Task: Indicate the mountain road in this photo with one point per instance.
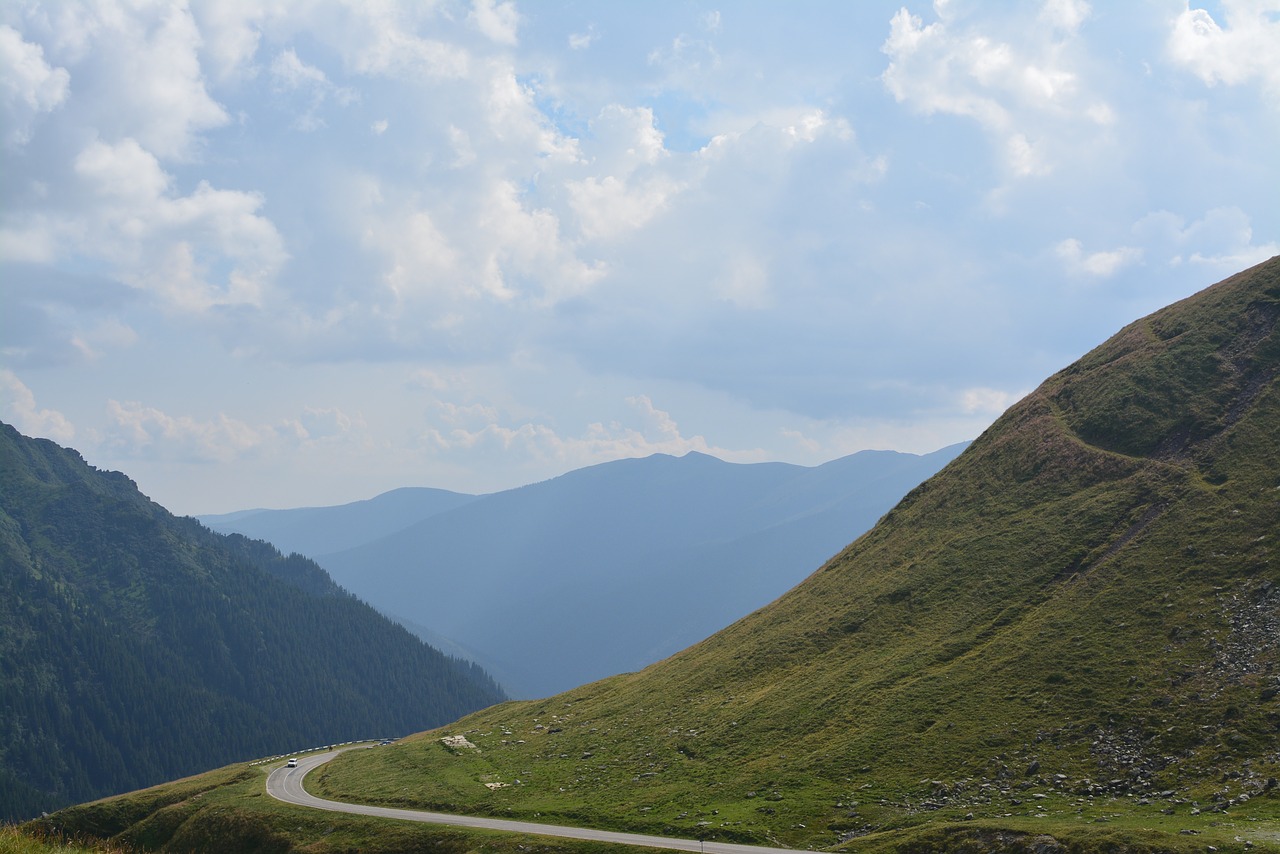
(285, 784)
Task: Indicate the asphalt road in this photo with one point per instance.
(285, 784)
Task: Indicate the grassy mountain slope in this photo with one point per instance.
(227, 810)
(1076, 622)
(677, 547)
(137, 647)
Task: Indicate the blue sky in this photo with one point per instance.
(285, 254)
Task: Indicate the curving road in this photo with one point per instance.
(285, 784)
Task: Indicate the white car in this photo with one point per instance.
(293, 763)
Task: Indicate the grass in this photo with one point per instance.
(875, 721)
(229, 810)
(14, 840)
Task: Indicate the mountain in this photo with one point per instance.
(320, 530)
(1068, 639)
(605, 569)
(137, 646)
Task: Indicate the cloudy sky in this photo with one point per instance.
(284, 254)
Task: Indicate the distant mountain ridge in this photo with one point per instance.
(136, 646)
(322, 530)
(602, 570)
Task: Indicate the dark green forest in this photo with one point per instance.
(136, 646)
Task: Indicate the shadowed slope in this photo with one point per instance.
(136, 646)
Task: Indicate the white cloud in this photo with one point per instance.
(29, 86)
(750, 186)
(379, 39)
(1222, 239)
(498, 21)
(290, 72)
(621, 195)
(425, 379)
(1023, 158)
(754, 140)
(464, 153)
(687, 63)
(1066, 15)
(421, 256)
(137, 430)
(745, 283)
(486, 247)
(33, 242)
(1246, 49)
(526, 244)
(653, 431)
(822, 441)
(1237, 251)
(625, 138)
(514, 119)
(1101, 114)
(139, 74)
(326, 424)
(230, 32)
(1022, 90)
(167, 243)
(105, 335)
(987, 401)
(20, 410)
(124, 171)
(582, 41)
(1099, 264)
(606, 207)
(291, 75)
(806, 443)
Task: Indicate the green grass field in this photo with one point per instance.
(228, 810)
(16, 841)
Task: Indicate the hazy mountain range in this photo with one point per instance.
(602, 570)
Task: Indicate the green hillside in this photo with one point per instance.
(1075, 625)
(136, 647)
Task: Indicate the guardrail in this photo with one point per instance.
(278, 757)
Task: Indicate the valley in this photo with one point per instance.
(610, 568)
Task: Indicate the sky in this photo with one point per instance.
(282, 254)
